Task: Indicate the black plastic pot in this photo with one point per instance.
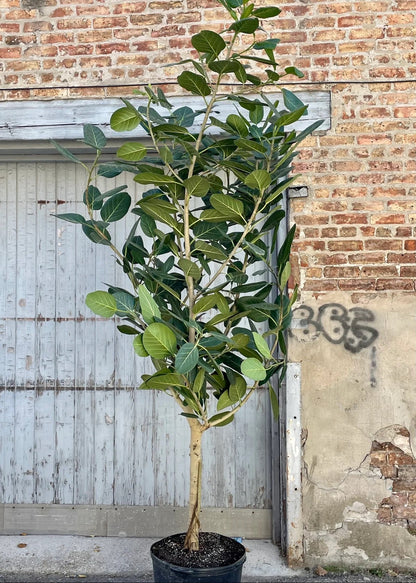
(167, 572)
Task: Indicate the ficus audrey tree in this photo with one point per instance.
(206, 285)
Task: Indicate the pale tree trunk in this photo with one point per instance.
(192, 535)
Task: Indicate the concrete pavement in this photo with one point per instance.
(70, 559)
(50, 558)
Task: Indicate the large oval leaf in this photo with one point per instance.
(190, 268)
(230, 207)
(163, 381)
(266, 12)
(208, 41)
(261, 345)
(187, 358)
(125, 119)
(94, 137)
(258, 179)
(148, 307)
(245, 25)
(138, 346)
(196, 185)
(159, 340)
(116, 207)
(194, 83)
(101, 303)
(253, 369)
(132, 151)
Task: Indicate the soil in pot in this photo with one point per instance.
(216, 550)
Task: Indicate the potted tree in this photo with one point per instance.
(206, 297)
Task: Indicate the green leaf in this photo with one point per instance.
(101, 303)
(166, 154)
(251, 145)
(161, 382)
(194, 83)
(190, 268)
(223, 67)
(198, 383)
(132, 151)
(261, 345)
(66, 153)
(125, 119)
(224, 401)
(196, 185)
(294, 71)
(100, 236)
(138, 346)
(253, 369)
(93, 197)
(208, 41)
(94, 137)
(210, 251)
(216, 419)
(245, 25)
(116, 207)
(214, 216)
(274, 403)
(274, 219)
(154, 206)
(269, 44)
(284, 252)
(238, 124)
(184, 116)
(284, 276)
(228, 206)
(280, 188)
(238, 388)
(258, 179)
(129, 330)
(71, 218)
(291, 101)
(155, 178)
(186, 358)
(266, 12)
(205, 303)
(159, 340)
(125, 303)
(148, 307)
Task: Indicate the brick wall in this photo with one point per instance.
(356, 229)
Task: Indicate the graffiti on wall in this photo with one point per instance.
(339, 325)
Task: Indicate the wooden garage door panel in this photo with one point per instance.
(73, 430)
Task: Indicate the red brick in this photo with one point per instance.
(350, 219)
(387, 219)
(345, 245)
(395, 284)
(385, 515)
(129, 7)
(401, 258)
(320, 285)
(110, 22)
(311, 219)
(333, 259)
(383, 244)
(366, 258)
(362, 284)
(341, 272)
(380, 271)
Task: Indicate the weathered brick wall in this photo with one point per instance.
(355, 230)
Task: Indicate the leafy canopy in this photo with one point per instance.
(207, 297)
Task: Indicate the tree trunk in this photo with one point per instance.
(192, 535)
